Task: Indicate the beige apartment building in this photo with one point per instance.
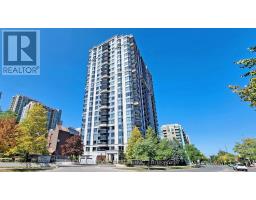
(175, 132)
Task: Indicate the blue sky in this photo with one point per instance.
(191, 69)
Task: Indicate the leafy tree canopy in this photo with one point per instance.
(135, 138)
(223, 157)
(246, 149)
(73, 147)
(33, 133)
(179, 155)
(8, 131)
(146, 150)
(8, 114)
(194, 154)
(164, 150)
(248, 92)
(35, 123)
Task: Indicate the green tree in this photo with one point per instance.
(146, 150)
(179, 155)
(247, 93)
(246, 149)
(35, 123)
(194, 154)
(135, 138)
(33, 133)
(164, 150)
(224, 158)
(213, 159)
(8, 115)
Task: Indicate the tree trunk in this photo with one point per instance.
(26, 157)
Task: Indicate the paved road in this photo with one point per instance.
(114, 169)
(87, 169)
(206, 169)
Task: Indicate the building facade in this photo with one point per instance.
(18, 103)
(58, 137)
(53, 115)
(118, 96)
(175, 132)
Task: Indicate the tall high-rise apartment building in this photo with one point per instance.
(175, 132)
(53, 115)
(18, 103)
(118, 96)
(22, 104)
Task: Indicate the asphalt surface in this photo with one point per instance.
(114, 169)
(92, 168)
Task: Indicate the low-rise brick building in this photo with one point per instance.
(57, 137)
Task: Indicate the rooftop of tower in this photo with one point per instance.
(118, 36)
(115, 36)
(36, 101)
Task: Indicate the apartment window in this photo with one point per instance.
(120, 140)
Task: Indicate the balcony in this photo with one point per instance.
(105, 75)
(103, 125)
(104, 107)
(104, 62)
(103, 138)
(105, 91)
(103, 147)
(104, 72)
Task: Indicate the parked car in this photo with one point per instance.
(240, 167)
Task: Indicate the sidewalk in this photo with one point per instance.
(19, 166)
